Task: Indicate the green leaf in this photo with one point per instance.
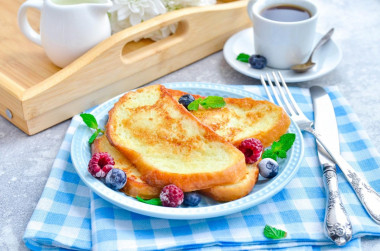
(193, 106)
(269, 154)
(274, 233)
(276, 146)
(93, 136)
(89, 120)
(243, 57)
(287, 141)
(281, 154)
(279, 148)
(213, 102)
(154, 201)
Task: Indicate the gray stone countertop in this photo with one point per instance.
(26, 160)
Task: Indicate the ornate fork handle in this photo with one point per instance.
(337, 223)
(367, 195)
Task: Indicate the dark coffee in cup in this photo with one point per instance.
(286, 13)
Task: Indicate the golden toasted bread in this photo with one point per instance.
(134, 186)
(168, 145)
(137, 187)
(243, 118)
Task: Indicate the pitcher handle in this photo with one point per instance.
(23, 23)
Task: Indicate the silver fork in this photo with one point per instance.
(366, 194)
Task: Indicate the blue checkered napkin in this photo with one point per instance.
(61, 219)
(63, 215)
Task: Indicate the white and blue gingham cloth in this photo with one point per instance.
(70, 216)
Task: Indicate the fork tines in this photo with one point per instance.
(281, 94)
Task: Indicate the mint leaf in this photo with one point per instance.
(274, 233)
(276, 146)
(193, 106)
(280, 147)
(287, 141)
(243, 57)
(209, 102)
(93, 137)
(213, 102)
(269, 154)
(154, 201)
(89, 120)
(281, 154)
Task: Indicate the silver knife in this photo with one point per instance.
(337, 223)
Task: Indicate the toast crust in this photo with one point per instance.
(237, 190)
(170, 137)
(239, 115)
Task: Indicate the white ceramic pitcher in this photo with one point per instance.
(68, 28)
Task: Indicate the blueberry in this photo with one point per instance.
(257, 61)
(192, 199)
(116, 179)
(186, 99)
(268, 168)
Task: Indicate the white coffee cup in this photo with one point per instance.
(283, 44)
(68, 28)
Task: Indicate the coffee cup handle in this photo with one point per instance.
(23, 23)
(249, 8)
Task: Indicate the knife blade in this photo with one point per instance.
(337, 223)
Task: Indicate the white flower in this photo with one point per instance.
(126, 13)
(172, 4)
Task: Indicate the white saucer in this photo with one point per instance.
(326, 58)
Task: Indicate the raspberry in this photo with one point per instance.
(100, 164)
(171, 196)
(252, 149)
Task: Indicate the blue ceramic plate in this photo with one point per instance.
(264, 189)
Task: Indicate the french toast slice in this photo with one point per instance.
(168, 145)
(135, 186)
(243, 118)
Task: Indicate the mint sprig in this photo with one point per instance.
(193, 106)
(279, 148)
(209, 102)
(274, 233)
(154, 201)
(91, 122)
(243, 57)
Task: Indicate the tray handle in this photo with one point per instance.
(191, 32)
(133, 52)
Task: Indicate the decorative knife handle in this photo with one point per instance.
(337, 223)
(369, 198)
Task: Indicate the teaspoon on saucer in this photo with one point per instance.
(309, 64)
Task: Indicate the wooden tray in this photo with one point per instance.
(35, 94)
